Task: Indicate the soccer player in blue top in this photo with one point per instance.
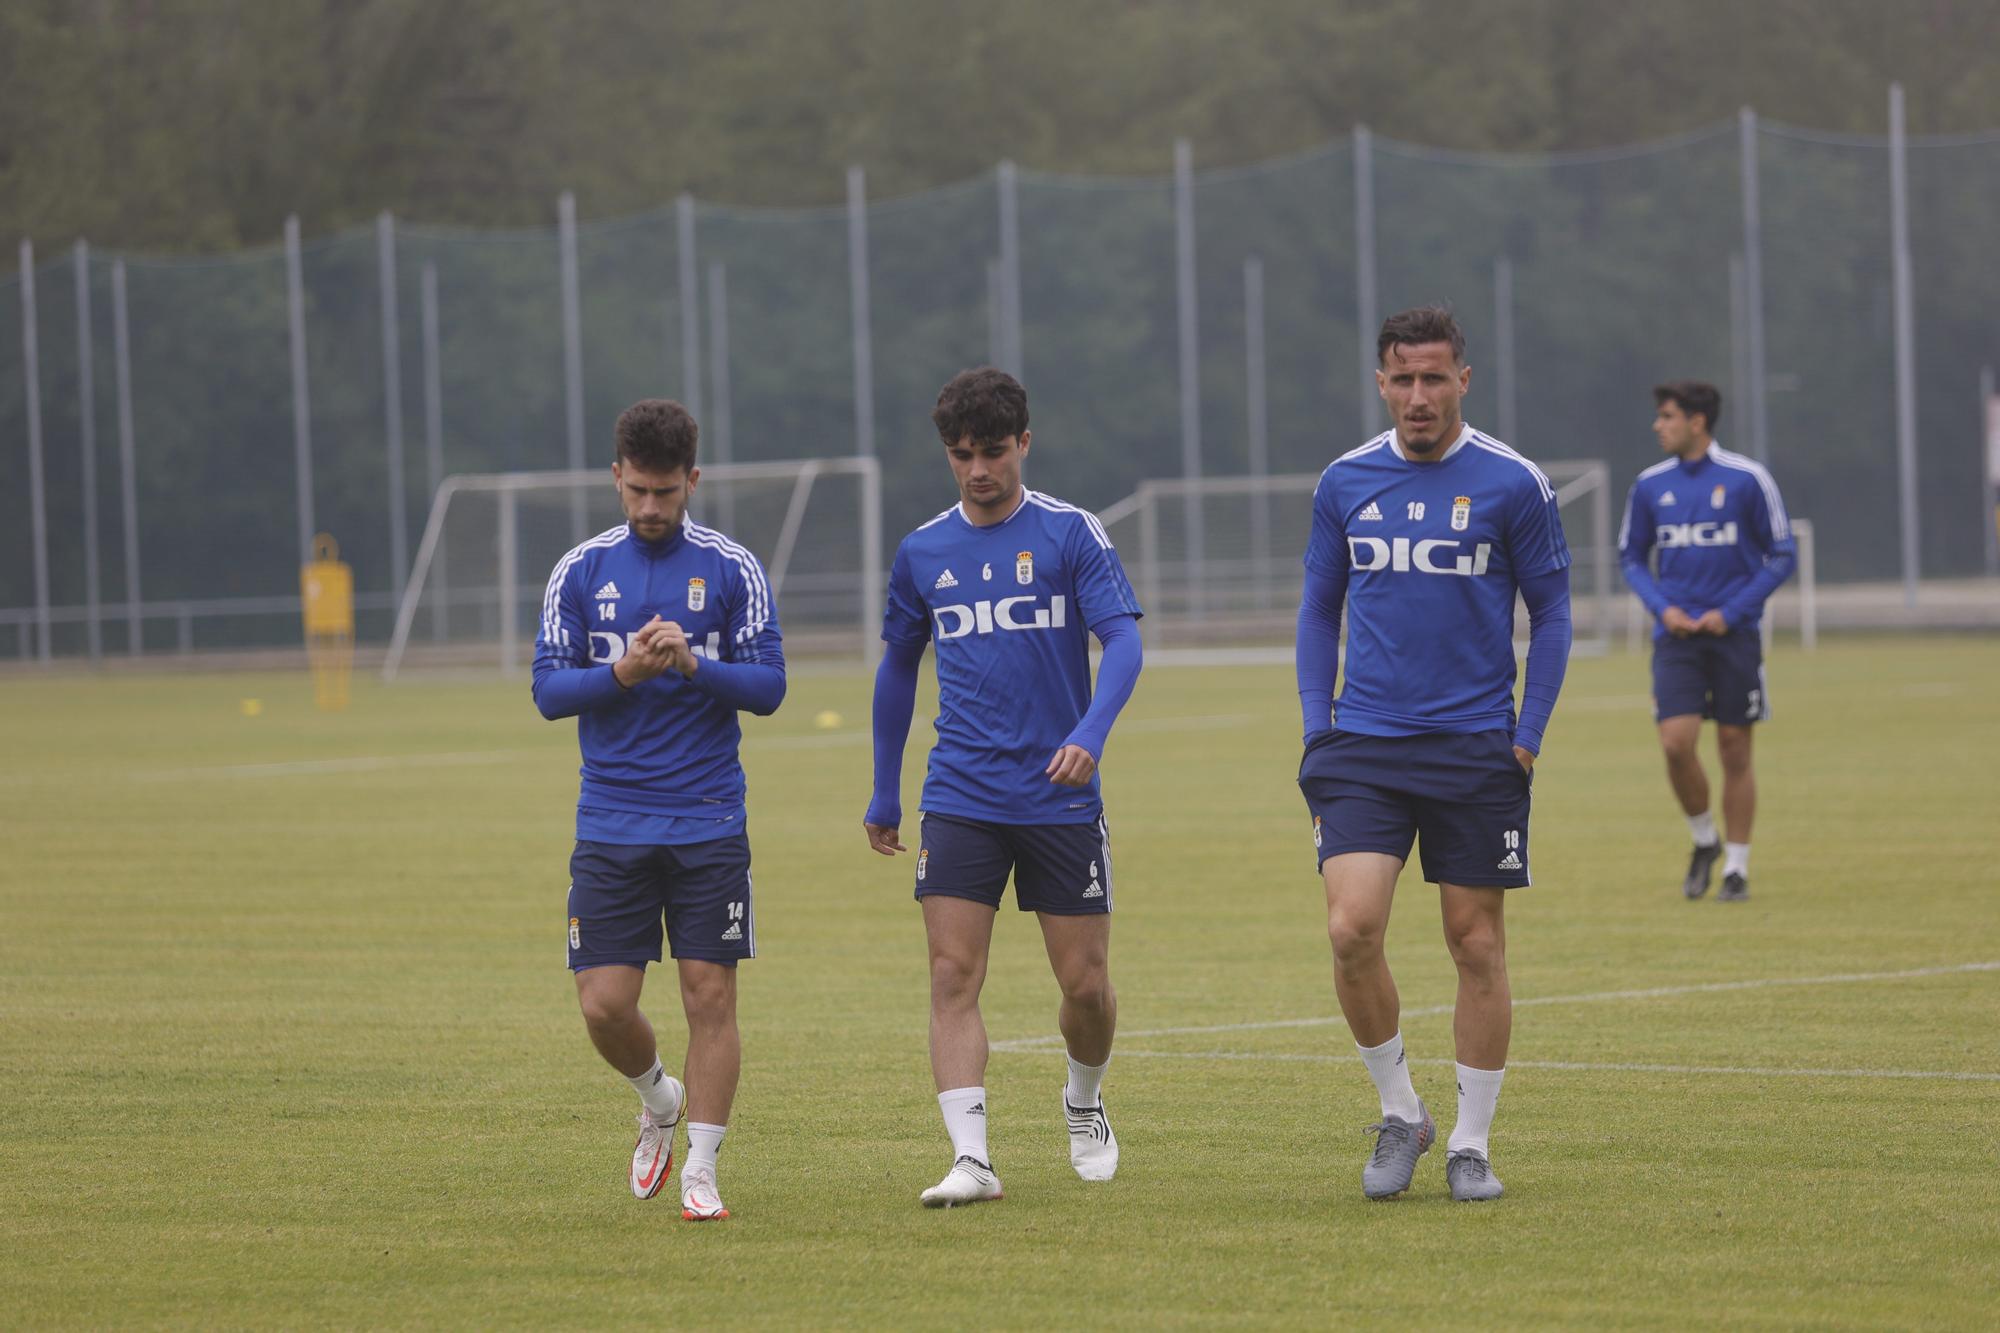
(1008, 585)
(1724, 546)
(1426, 533)
(654, 636)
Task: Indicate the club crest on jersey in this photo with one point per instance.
(697, 594)
(1717, 496)
(1461, 513)
(1024, 568)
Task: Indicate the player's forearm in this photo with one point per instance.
(1748, 604)
(751, 687)
(1117, 675)
(1316, 648)
(1549, 633)
(1641, 581)
(562, 692)
(895, 705)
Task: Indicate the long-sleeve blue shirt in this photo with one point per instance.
(1719, 525)
(660, 763)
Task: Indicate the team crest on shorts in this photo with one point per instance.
(697, 594)
(923, 862)
(1717, 496)
(1024, 567)
(1461, 513)
(575, 934)
(1316, 831)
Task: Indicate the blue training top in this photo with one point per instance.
(1719, 525)
(660, 762)
(1431, 555)
(1010, 608)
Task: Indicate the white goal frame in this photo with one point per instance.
(510, 486)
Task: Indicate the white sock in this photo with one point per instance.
(1703, 828)
(704, 1141)
(1478, 1094)
(1736, 858)
(1084, 1083)
(965, 1120)
(657, 1094)
(1391, 1073)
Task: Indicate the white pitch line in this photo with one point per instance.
(320, 767)
(1586, 1066)
(1590, 997)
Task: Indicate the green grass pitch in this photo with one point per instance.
(286, 1037)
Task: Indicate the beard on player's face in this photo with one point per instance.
(987, 474)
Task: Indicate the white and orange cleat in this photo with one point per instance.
(653, 1154)
(700, 1201)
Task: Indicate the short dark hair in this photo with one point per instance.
(1692, 397)
(657, 435)
(987, 404)
(1414, 328)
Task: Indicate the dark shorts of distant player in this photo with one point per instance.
(1061, 869)
(1719, 676)
(620, 896)
(1463, 799)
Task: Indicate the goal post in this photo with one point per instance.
(1236, 592)
(491, 539)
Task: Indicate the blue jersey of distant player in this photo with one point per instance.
(1009, 609)
(660, 761)
(1434, 553)
(1715, 522)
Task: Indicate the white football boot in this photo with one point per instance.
(700, 1202)
(969, 1181)
(1093, 1148)
(653, 1154)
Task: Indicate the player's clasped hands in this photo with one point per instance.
(1682, 625)
(659, 646)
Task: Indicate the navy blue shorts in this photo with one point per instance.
(618, 896)
(1062, 869)
(1718, 676)
(1463, 798)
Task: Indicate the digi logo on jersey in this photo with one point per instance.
(1431, 556)
(1696, 534)
(983, 617)
(607, 648)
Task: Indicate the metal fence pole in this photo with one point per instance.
(1011, 349)
(572, 324)
(1739, 338)
(1259, 425)
(392, 403)
(857, 284)
(995, 335)
(507, 545)
(1367, 316)
(718, 369)
(1989, 495)
(434, 436)
(86, 402)
(1190, 368)
(38, 513)
(1755, 408)
(121, 354)
(295, 295)
(689, 278)
(1906, 342)
(1506, 372)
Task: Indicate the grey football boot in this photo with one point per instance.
(1470, 1176)
(1735, 889)
(1398, 1145)
(1700, 866)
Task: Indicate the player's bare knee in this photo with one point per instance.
(955, 981)
(1733, 743)
(1478, 945)
(607, 1008)
(1088, 987)
(1356, 937)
